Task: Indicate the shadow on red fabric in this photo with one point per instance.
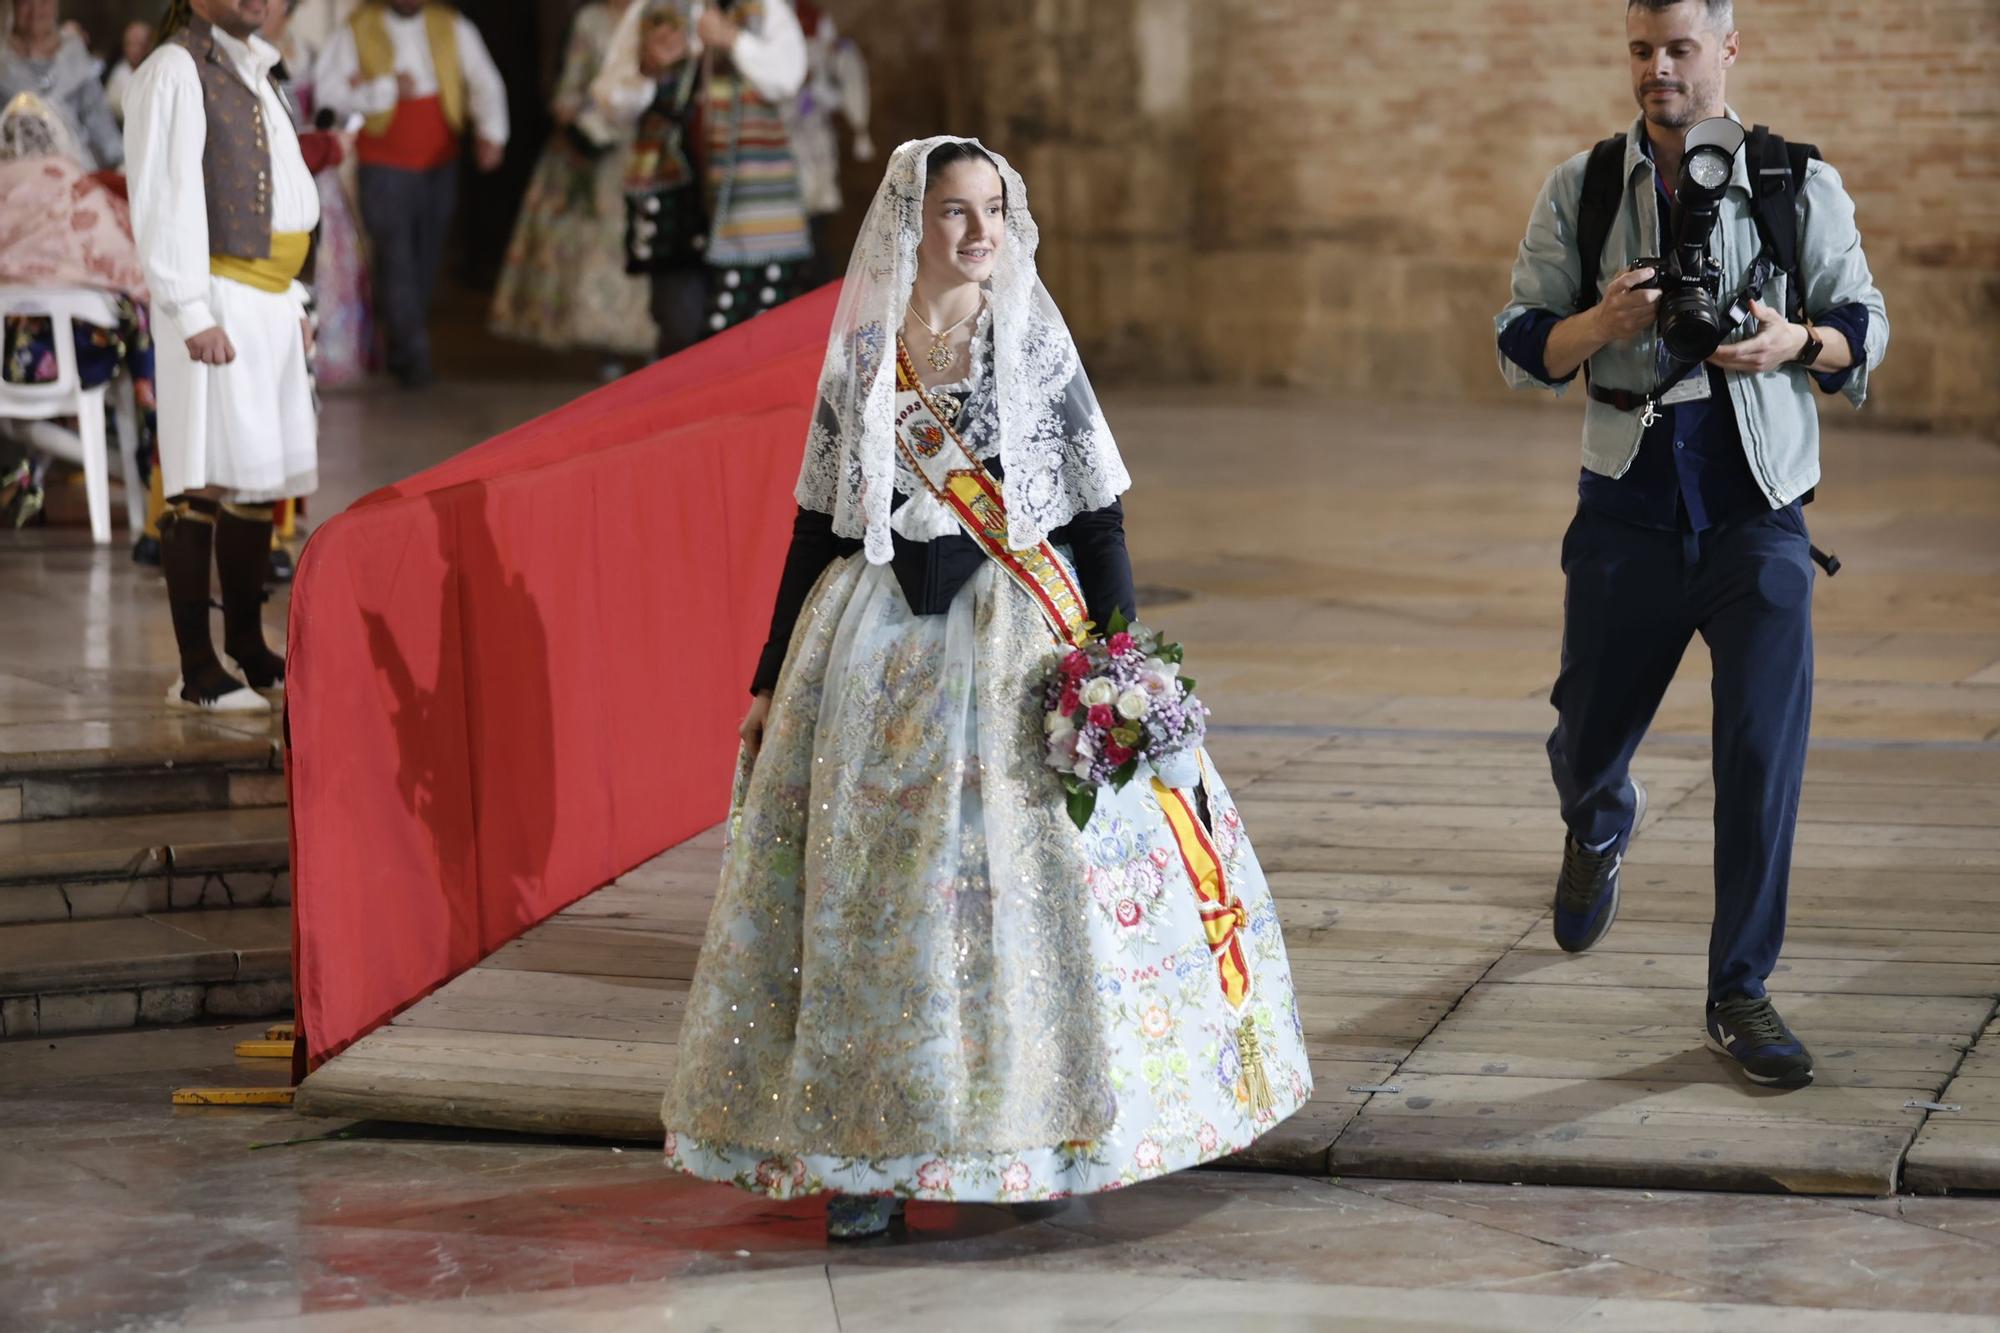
(517, 675)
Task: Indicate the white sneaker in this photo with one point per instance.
(242, 699)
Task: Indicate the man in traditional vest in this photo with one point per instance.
(223, 209)
(418, 73)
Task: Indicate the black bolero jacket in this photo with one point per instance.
(931, 573)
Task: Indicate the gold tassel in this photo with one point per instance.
(1255, 1084)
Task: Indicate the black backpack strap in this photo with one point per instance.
(1777, 183)
(1596, 210)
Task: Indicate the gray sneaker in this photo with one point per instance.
(1587, 888)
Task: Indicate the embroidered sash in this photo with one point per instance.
(960, 482)
(1222, 914)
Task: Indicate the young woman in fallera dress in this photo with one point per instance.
(920, 980)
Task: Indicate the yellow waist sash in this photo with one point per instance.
(275, 274)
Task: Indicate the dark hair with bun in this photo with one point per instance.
(947, 155)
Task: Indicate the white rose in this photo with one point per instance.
(1132, 705)
(1099, 691)
(1082, 769)
(1057, 725)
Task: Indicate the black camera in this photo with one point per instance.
(1691, 322)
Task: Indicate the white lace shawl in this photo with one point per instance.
(1054, 445)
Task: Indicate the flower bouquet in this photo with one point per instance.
(1113, 703)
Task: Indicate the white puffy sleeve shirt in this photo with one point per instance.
(166, 128)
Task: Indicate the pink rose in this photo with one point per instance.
(1118, 754)
(771, 1173)
(1076, 665)
(934, 1175)
(1119, 643)
(1069, 699)
(1147, 1155)
(1016, 1178)
(1128, 913)
(1103, 718)
(1206, 1138)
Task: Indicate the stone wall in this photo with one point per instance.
(1329, 192)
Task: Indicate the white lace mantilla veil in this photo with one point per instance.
(1055, 447)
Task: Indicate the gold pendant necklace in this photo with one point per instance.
(942, 356)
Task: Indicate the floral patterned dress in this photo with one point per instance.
(564, 285)
(920, 979)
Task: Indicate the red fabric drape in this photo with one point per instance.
(517, 675)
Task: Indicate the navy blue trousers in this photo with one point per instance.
(1635, 597)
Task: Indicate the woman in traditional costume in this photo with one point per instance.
(564, 285)
(61, 227)
(39, 55)
(920, 979)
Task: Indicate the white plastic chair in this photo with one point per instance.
(65, 396)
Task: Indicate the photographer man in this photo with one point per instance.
(1689, 500)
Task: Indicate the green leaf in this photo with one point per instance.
(1082, 804)
(1124, 774)
(1187, 686)
(1171, 652)
(1119, 624)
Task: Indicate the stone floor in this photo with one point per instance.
(123, 1212)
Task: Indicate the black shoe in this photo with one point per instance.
(282, 567)
(1751, 1033)
(146, 551)
(1587, 889)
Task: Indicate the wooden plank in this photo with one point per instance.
(554, 1004)
(1661, 1102)
(1960, 1150)
(1944, 1019)
(593, 950)
(1976, 842)
(537, 1085)
(233, 1096)
(1978, 1100)
(1650, 935)
(1539, 965)
(1564, 1053)
(1786, 1156)
(1953, 1157)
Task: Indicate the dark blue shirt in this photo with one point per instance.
(1691, 472)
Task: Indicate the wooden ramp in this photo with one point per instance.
(1413, 877)
(1374, 616)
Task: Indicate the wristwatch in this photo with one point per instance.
(1810, 352)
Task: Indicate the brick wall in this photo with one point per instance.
(1329, 192)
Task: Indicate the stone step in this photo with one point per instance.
(176, 967)
(111, 866)
(72, 770)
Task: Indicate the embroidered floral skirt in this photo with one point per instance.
(920, 979)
